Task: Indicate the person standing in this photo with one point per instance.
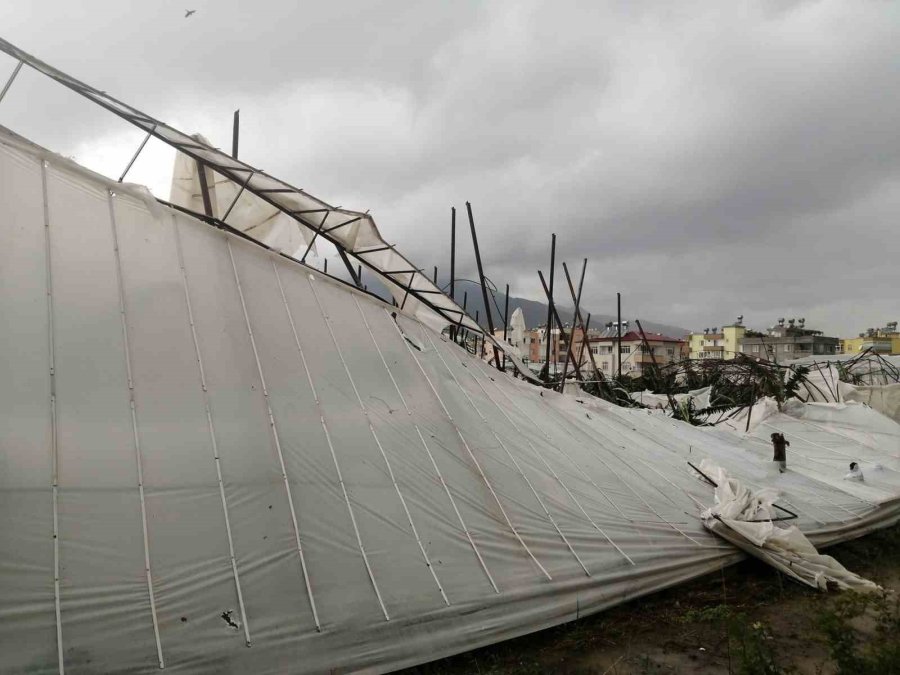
(779, 446)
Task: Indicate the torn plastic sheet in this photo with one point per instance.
(747, 519)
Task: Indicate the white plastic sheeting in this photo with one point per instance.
(244, 211)
(216, 459)
(749, 519)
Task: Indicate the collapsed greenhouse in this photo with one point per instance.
(215, 458)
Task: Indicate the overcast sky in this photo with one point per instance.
(709, 158)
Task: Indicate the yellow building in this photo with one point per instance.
(879, 340)
(713, 343)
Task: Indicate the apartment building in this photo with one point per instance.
(787, 341)
(883, 341)
(713, 343)
(635, 356)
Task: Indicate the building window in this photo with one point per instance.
(626, 349)
(670, 351)
(594, 350)
(754, 348)
(789, 348)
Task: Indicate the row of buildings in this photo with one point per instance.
(634, 357)
(785, 341)
(788, 340)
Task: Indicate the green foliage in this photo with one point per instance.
(851, 653)
(750, 645)
(705, 614)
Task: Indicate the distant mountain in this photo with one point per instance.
(536, 313)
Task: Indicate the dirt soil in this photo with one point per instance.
(706, 625)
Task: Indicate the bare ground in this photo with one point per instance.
(745, 619)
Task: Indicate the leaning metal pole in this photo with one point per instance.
(562, 382)
(484, 292)
(619, 334)
(505, 323)
(549, 333)
(235, 133)
(578, 316)
(555, 315)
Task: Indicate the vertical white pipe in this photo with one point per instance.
(134, 427)
(212, 431)
(274, 429)
(54, 437)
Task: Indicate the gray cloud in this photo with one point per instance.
(710, 159)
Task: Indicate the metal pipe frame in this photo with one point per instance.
(471, 454)
(550, 307)
(562, 382)
(430, 455)
(337, 467)
(54, 430)
(619, 333)
(378, 444)
(212, 431)
(555, 315)
(12, 78)
(484, 291)
(580, 320)
(295, 522)
(546, 435)
(518, 467)
(134, 157)
(193, 149)
(139, 461)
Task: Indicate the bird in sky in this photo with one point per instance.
(188, 12)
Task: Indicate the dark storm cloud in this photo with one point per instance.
(711, 159)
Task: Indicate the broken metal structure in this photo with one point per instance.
(214, 457)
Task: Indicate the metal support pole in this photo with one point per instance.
(350, 269)
(484, 291)
(212, 430)
(649, 349)
(276, 440)
(562, 382)
(325, 266)
(321, 412)
(138, 455)
(11, 78)
(550, 308)
(555, 315)
(235, 133)
(54, 431)
(434, 280)
(619, 333)
(579, 318)
(204, 189)
(236, 197)
(453, 329)
(137, 152)
(505, 323)
(452, 252)
(584, 330)
(337, 467)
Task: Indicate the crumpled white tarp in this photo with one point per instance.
(885, 398)
(250, 214)
(748, 515)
